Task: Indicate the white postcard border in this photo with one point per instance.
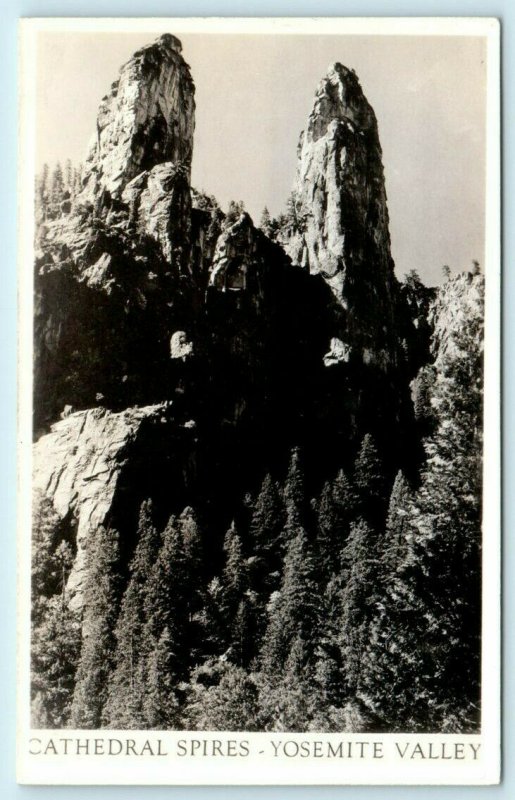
(263, 767)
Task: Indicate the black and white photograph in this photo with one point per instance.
(260, 400)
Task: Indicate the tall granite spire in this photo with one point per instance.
(146, 119)
(339, 201)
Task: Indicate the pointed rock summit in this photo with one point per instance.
(340, 97)
(146, 119)
(339, 200)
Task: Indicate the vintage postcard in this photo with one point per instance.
(259, 399)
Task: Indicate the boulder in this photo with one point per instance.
(180, 346)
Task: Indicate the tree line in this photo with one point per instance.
(56, 190)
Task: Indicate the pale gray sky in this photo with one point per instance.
(253, 97)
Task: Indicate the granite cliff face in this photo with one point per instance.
(184, 350)
(80, 465)
(339, 201)
(159, 203)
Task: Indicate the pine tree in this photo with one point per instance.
(296, 217)
(346, 510)
(234, 211)
(240, 604)
(295, 610)
(148, 542)
(268, 224)
(234, 577)
(369, 482)
(196, 577)
(62, 560)
(294, 500)
(358, 598)
(387, 683)
(399, 530)
(344, 496)
(265, 530)
(422, 389)
(326, 523)
(167, 587)
(412, 279)
(335, 510)
(243, 633)
(68, 177)
(55, 649)
(101, 601)
(55, 631)
(123, 708)
(265, 222)
(44, 581)
(211, 619)
(56, 191)
(267, 519)
(291, 703)
(42, 199)
(168, 614)
(329, 677)
(162, 707)
(192, 543)
(294, 487)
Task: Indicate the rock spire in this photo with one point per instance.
(146, 119)
(339, 201)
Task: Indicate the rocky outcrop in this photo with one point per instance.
(236, 257)
(458, 304)
(206, 226)
(159, 203)
(180, 346)
(339, 226)
(454, 317)
(445, 385)
(146, 119)
(78, 467)
(339, 353)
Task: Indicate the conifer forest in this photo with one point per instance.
(257, 452)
